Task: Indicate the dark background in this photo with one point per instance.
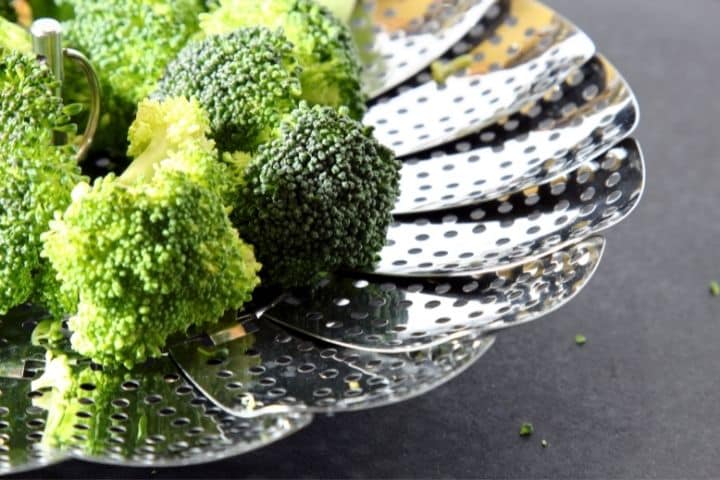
(642, 398)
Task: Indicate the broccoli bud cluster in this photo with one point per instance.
(318, 197)
(37, 177)
(246, 80)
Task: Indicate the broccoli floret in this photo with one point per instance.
(318, 197)
(152, 252)
(14, 38)
(342, 9)
(36, 177)
(323, 45)
(7, 10)
(130, 43)
(246, 81)
(59, 10)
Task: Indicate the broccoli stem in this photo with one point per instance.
(142, 168)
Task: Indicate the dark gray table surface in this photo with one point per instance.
(642, 398)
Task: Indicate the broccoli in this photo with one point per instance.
(36, 177)
(14, 38)
(152, 252)
(58, 9)
(324, 46)
(342, 9)
(246, 81)
(7, 10)
(318, 197)
(129, 42)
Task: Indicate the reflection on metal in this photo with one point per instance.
(518, 228)
(394, 315)
(398, 38)
(424, 113)
(572, 124)
(149, 416)
(273, 371)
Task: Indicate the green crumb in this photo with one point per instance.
(441, 71)
(544, 443)
(526, 429)
(715, 288)
(580, 339)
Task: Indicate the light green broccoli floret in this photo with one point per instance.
(151, 253)
(14, 38)
(36, 177)
(322, 43)
(130, 43)
(246, 80)
(342, 9)
(318, 197)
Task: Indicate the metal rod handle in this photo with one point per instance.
(94, 115)
(47, 44)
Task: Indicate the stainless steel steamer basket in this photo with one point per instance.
(513, 163)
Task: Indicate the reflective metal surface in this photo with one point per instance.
(528, 53)
(573, 123)
(509, 172)
(399, 315)
(274, 371)
(523, 226)
(149, 416)
(398, 38)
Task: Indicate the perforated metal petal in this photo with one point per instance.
(21, 427)
(149, 416)
(530, 51)
(524, 226)
(21, 424)
(274, 371)
(399, 315)
(398, 38)
(572, 124)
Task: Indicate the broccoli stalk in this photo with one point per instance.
(152, 253)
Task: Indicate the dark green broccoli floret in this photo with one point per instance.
(318, 197)
(130, 43)
(246, 81)
(151, 253)
(7, 10)
(36, 177)
(323, 45)
(57, 9)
